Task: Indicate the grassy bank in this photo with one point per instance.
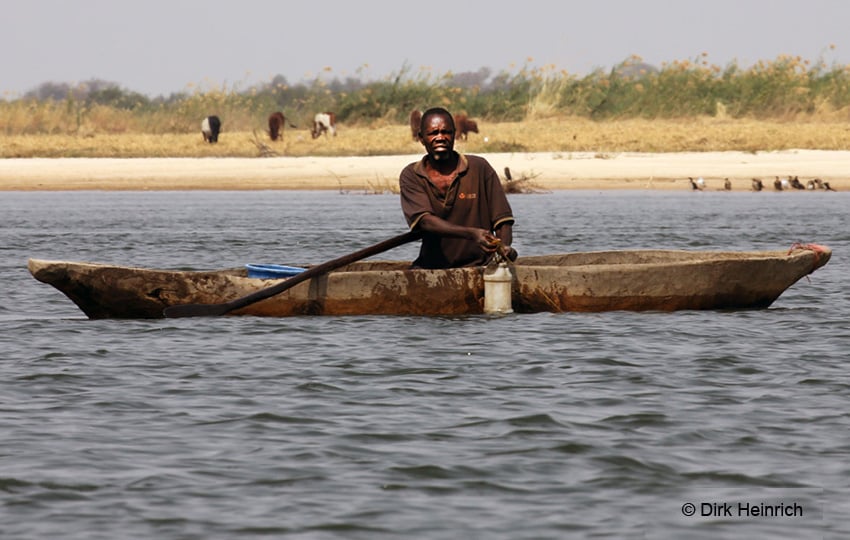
(543, 135)
(687, 105)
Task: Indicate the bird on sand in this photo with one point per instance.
(698, 184)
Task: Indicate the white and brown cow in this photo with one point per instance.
(323, 122)
(210, 128)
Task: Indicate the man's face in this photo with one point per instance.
(438, 136)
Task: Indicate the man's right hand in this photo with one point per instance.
(486, 240)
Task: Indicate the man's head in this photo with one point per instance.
(437, 133)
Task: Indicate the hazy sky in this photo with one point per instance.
(163, 46)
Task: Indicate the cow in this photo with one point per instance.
(210, 128)
(276, 125)
(323, 122)
(463, 125)
(415, 123)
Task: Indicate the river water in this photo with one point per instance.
(524, 426)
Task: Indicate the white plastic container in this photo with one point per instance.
(497, 290)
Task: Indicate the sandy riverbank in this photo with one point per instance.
(549, 171)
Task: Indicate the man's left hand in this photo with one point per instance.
(508, 253)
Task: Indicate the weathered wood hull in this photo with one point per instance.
(663, 280)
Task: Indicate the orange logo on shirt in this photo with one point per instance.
(467, 195)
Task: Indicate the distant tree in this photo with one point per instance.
(470, 79)
(350, 84)
(108, 93)
(635, 70)
(278, 81)
(49, 91)
(118, 98)
(93, 91)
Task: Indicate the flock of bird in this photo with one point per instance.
(779, 184)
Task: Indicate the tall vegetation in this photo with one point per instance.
(784, 89)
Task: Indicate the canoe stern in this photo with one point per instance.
(663, 280)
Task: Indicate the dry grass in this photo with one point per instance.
(549, 134)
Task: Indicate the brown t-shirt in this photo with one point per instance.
(474, 199)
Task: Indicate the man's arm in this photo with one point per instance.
(505, 233)
(436, 225)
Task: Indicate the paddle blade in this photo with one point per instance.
(195, 310)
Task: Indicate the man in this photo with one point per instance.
(455, 200)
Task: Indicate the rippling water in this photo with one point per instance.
(525, 426)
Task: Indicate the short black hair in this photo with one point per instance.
(436, 111)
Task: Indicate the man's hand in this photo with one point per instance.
(492, 244)
(486, 241)
(508, 253)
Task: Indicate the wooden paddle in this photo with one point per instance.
(215, 310)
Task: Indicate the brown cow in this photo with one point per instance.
(463, 125)
(323, 122)
(276, 124)
(415, 123)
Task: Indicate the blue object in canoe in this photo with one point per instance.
(272, 271)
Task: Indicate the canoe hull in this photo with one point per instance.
(661, 280)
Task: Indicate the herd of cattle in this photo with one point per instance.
(325, 123)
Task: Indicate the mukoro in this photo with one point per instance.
(663, 280)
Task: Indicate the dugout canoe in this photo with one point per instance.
(637, 280)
